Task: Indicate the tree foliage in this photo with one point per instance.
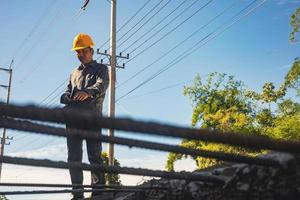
(219, 103)
(111, 178)
(222, 103)
(286, 125)
(292, 79)
(295, 24)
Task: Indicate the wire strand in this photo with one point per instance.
(193, 48)
(129, 20)
(150, 18)
(153, 27)
(169, 32)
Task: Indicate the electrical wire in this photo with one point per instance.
(59, 86)
(169, 32)
(161, 89)
(150, 18)
(46, 54)
(148, 13)
(176, 46)
(129, 20)
(197, 45)
(53, 100)
(42, 35)
(47, 10)
(153, 27)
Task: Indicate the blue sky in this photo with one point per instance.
(39, 34)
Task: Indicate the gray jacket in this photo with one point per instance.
(91, 78)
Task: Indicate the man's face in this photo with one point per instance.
(85, 55)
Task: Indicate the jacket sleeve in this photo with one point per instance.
(100, 87)
(66, 96)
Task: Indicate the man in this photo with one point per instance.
(86, 90)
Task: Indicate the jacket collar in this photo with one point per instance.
(83, 66)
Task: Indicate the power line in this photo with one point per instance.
(47, 10)
(164, 88)
(60, 36)
(62, 84)
(196, 47)
(169, 32)
(150, 18)
(43, 34)
(53, 100)
(161, 89)
(166, 25)
(175, 47)
(152, 28)
(149, 12)
(129, 20)
(48, 104)
(181, 57)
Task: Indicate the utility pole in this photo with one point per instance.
(112, 77)
(8, 87)
(112, 74)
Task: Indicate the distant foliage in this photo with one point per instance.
(111, 178)
(292, 79)
(295, 24)
(286, 125)
(222, 103)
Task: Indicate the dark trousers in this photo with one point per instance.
(94, 149)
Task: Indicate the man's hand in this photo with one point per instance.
(81, 96)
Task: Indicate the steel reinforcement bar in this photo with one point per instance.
(61, 132)
(86, 118)
(49, 185)
(66, 191)
(113, 169)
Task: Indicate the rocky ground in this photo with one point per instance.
(242, 181)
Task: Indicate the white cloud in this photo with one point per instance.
(187, 164)
(129, 158)
(55, 152)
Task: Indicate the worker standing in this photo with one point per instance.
(86, 90)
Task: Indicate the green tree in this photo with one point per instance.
(111, 178)
(221, 104)
(287, 121)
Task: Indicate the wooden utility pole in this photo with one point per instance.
(8, 87)
(112, 77)
(112, 74)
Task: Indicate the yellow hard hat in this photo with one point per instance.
(82, 41)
